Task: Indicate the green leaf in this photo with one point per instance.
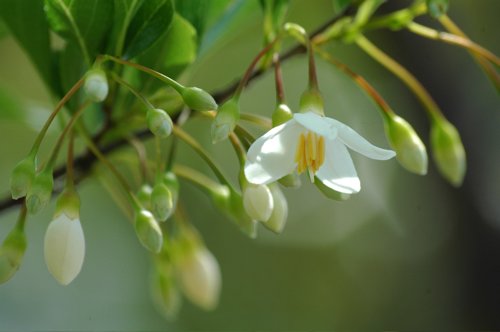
(10, 107)
(85, 22)
(195, 11)
(124, 11)
(26, 21)
(151, 21)
(175, 50)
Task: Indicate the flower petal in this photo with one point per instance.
(272, 155)
(316, 123)
(338, 171)
(358, 143)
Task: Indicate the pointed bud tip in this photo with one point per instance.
(198, 99)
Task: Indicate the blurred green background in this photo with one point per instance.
(408, 252)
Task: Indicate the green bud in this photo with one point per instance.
(148, 231)
(410, 151)
(144, 196)
(159, 122)
(296, 31)
(198, 99)
(278, 218)
(448, 151)
(312, 101)
(164, 291)
(162, 203)
(41, 191)
(330, 193)
(11, 253)
(225, 120)
(291, 180)
(68, 203)
(22, 177)
(437, 8)
(281, 114)
(258, 201)
(172, 183)
(231, 204)
(96, 85)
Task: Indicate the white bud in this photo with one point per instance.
(200, 277)
(96, 85)
(64, 248)
(258, 202)
(278, 218)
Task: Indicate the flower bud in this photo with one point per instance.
(144, 196)
(437, 8)
(164, 290)
(410, 151)
(11, 253)
(281, 114)
(448, 151)
(330, 193)
(96, 85)
(200, 278)
(40, 191)
(198, 99)
(231, 204)
(22, 177)
(159, 122)
(296, 31)
(278, 218)
(225, 120)
(258, 202)
(64, 244)
(148, 231)
(162, 204)
(172, 183)
(312, 101)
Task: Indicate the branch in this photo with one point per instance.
(83, 163)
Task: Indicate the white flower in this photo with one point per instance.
(64, 248)
(200, 278)
(311, 142)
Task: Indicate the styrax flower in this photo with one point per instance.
(314, 143)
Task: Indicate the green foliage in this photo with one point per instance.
(27, 23)
(151, 21)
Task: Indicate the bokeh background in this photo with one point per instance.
(408, 252)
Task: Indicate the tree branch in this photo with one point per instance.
(84, 162)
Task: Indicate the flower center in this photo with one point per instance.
(310, 153)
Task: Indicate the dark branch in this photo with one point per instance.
(84, 162)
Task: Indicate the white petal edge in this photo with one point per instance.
(358, 143)
(64, 248)
(316, 123)
(272, 155)
(338, 171)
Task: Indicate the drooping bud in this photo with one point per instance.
(410, 150)
(40, 191)
(277, 221)
(198, 99)
(164, 291)
(448, 151)
(231, 204)
(12, 253)
(281, 114)
(437, 8)
(296, 31)
(64, 244)
(144, 196)
(96, 85)
(159, 122)
(330, 193)
(172, 183)
(22, 177)
(225, 120)
(312, 101)
(162, 204)
(148, 231)
(258, 202)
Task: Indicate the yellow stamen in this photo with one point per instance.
(310, 153)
